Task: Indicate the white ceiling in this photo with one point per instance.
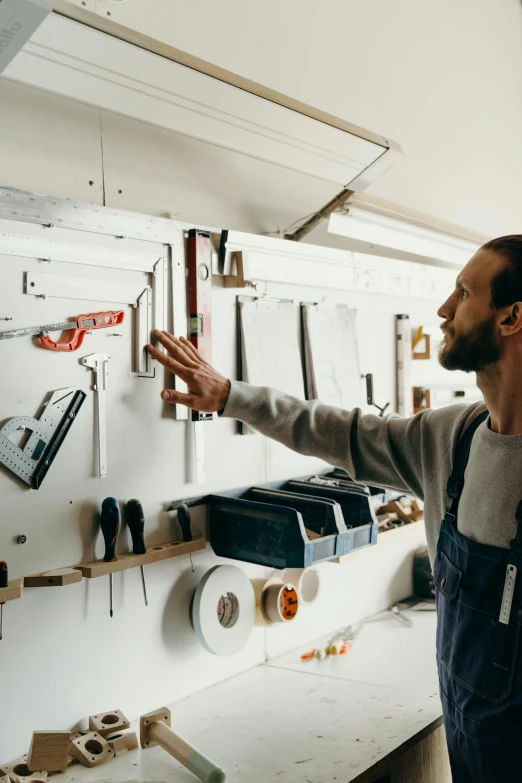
(443, 79)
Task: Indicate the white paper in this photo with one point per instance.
(332, 369)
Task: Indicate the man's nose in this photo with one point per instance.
(446, 311)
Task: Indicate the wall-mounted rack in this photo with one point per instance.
(12, 591)
(276, 535)
(153, 554)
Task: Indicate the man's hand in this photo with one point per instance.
(207, 390)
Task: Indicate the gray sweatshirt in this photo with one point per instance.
(411, 455)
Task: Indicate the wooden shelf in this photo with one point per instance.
(12, 591)
(57, 578)
(153, 555)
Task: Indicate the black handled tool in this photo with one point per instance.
(110, 525)
(135, 519)
(184, 522)
(4, 582)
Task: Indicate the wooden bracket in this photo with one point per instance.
(152, 555)
(58, 578)
(163, 714)
(238, 280)
(121, 743)
(91, 749)
(12, 591)
(108, 722)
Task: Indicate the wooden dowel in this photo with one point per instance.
(200, 766)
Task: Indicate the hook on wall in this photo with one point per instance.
(369, 394)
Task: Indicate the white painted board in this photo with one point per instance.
(270, 342)
(332, 367)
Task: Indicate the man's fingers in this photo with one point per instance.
(175, 348)
(169, 395)
(187, 345)
(171, 364)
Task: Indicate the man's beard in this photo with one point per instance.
(472, 351)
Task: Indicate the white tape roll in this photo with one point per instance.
(276, 601)
(224, 610)
(307, 581)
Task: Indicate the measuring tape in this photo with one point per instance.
(507, 597)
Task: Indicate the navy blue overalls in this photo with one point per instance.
(478, 656)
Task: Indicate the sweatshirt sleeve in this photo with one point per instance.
(394, 452)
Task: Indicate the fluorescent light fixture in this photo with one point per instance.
(155, 83)
(19, 19)
(379, 234)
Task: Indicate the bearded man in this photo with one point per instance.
(465, 462)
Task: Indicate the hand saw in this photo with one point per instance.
(33, 460)
(79, 327)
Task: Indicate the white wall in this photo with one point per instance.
(62, 658)
(443, 79)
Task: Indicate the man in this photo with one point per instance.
(477, 548)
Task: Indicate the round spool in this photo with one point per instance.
(280, 603)
(277, 601)
(307, 582)
(224, 610)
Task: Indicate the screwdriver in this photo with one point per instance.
(4, 582)
(135, 519)
(185, 525)
(110, 525)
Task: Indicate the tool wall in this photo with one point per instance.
(53, 658)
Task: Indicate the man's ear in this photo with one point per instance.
(511, 322)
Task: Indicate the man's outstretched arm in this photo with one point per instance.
(393, 452)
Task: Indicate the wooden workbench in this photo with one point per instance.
(371, 716)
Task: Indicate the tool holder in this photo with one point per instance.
(12, 591)
(96, 568)
(293, 530)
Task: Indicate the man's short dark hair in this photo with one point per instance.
(506, 288)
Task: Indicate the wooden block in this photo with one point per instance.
(121, 743)
(17, 771)
(59, 578)
(91, 749)
(12, 591)
(398, 509)
(70, 759)
(153, 555)
(110, 722)
(312, 535)
(5, 779)
(49, 750)
(163, 714)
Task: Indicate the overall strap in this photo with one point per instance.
(456, 480)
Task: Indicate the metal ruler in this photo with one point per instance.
(97, 362)
(507, 597)
(32, 461)
(51, 212)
